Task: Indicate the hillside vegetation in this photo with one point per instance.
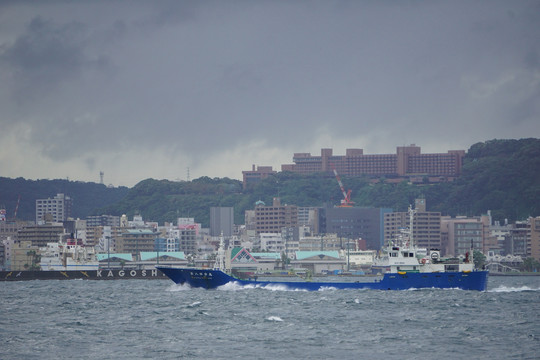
(498, 175)
(86, 196)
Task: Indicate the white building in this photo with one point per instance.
(272, 242)
(359, 257)
(57, 208)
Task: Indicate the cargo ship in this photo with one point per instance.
(408, 268)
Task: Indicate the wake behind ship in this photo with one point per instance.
(211, 279)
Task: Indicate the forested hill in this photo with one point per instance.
(498, 175)
(86, 196)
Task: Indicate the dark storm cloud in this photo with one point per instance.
(46, 55)
(195, 80)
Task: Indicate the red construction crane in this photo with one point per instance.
(346, 201)
(16, 208)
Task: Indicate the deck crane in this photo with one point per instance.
(346, 201)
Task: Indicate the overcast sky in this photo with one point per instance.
(148, 89)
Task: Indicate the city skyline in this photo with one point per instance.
(171, 90)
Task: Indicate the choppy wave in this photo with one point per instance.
(235, 286)
(274, 318)
(131, 319)
(507, 289)
(179, 287)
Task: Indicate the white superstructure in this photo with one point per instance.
(68, 256)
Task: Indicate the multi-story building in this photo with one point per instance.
(255, 175)
(135, 241)
(352, 223)
(57, 208)
(10, 229)
(188, 239)
(270, 219)
(272, 242)
(291, 238)
(322, 242)
(407, 161)
(426, 226)
(24, 256)
(307, 216)
(519, 242)
(39, 235)
(462, 233)
(103, 220)
(221, 221)
(535, 238)
(500, 235)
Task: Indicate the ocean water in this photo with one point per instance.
(156, 319)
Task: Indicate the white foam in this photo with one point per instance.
(274, 318)
(179, 287)
(327, 288)
(235, 286)
(505, 289)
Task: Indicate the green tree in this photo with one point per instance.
(479, 259)
(530, 264)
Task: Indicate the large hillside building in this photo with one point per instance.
(407, 162)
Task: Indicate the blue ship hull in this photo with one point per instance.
(211, 279)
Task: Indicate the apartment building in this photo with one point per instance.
(135, 241)
(426, 226)
(221, 221)
(271, 219)
(462, 233)
(353, 223)
(57, 209)
(39, 235)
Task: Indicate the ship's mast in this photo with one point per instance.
(411, 225)
(220, 258)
